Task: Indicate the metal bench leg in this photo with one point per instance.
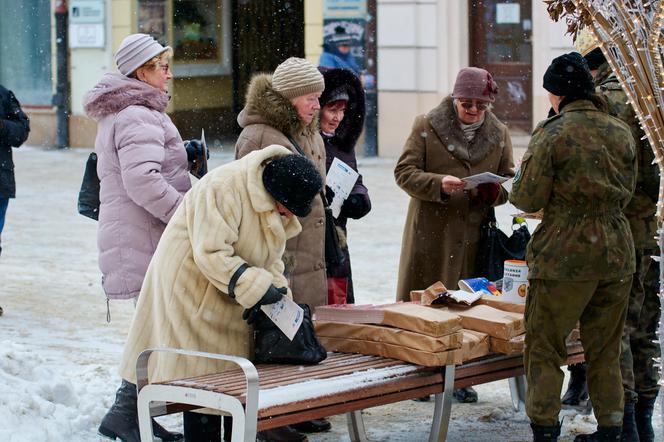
(356, 429)
(443, 408)
(518, 387)
(244, 425)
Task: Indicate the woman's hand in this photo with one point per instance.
(452, 184)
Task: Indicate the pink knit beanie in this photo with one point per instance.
(135, 50)
(475, 84)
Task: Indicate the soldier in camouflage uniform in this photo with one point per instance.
(639, 351)
(580, 167)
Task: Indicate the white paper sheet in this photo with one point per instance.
(286, 314)
(484, 177)
(341, 179)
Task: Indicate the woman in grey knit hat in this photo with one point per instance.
(282, 108)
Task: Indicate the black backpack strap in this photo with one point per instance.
(231, 285)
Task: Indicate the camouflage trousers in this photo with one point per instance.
(639, 342)
(552, 310)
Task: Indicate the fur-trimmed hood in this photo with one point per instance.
(445, 123)
(114, 92)
(264, 105)
(351, 126)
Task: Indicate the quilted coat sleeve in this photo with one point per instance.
(213, 221)
(140, 140)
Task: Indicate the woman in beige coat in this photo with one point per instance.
(231, 217)
(458, 138)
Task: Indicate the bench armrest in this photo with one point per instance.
(250, 372)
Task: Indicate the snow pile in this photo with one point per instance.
(41, 402)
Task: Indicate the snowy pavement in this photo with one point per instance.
(58, 355)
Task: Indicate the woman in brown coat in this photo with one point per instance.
(458, 138)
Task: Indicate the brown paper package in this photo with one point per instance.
(428, 359)
(407, 316)
(508, 347)
(475, 345)
(497, 323)
(389, 335)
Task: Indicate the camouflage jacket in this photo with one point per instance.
(641, 209)
(580, 167)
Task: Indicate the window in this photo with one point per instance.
(197, 30)
(25, 50)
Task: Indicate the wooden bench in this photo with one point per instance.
(343, 383)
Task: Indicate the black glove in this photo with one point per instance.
(329, 194)
(356, 206)
(194, 150)
(272, 295)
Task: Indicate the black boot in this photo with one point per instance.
(465, 395)
(643, 417)
(545, 434)
(121, 421)
(577, 388)
(629, 431)
(199, 427)
(603, 434)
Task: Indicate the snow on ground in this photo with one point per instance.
(58, 355)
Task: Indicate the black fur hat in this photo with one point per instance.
(569, 76)
(293, 181)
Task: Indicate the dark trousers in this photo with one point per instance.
(552, 310)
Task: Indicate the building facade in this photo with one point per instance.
(219, 44)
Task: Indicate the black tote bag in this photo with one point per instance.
(272, 346)
(88, 196)
(495, 247)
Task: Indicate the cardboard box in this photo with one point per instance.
(508, 347)
(475, 345)
(428, 359)
(497, 323)
(389, 335)
(405, 315)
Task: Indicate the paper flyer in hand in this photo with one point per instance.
(286, 315)
(341, 179)
(484, 177)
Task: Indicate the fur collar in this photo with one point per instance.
(266, 106)
(114, 92)
(445, 123)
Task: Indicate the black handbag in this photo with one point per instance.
(88, 196)
(272, 346)
(495, 247)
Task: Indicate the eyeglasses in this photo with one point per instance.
(468, 105)
(164, 67)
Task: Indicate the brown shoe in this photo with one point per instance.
(281, 434)
(313, 426)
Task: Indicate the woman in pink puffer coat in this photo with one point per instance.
(143, 169)
(141, 162)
